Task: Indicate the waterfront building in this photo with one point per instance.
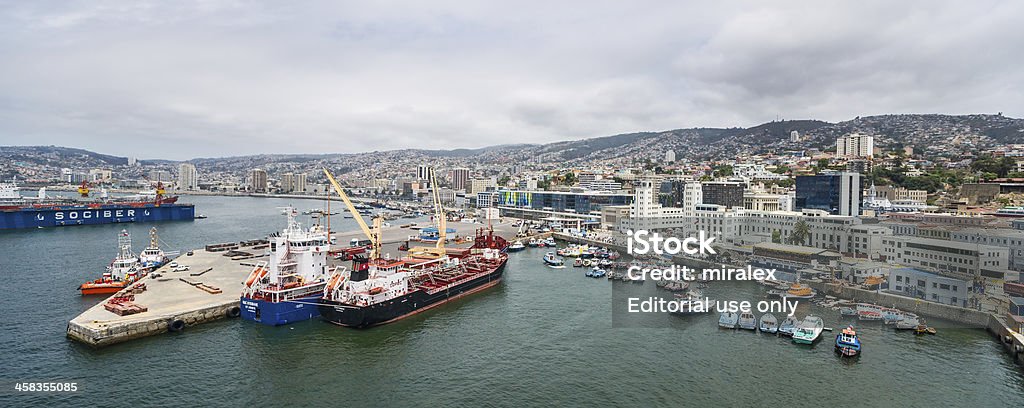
(460, 178)
(728, 194)
(481, 184)
(754, 171)
(646, 213)
(837, 193)
(901, 194)
(855, 145)
(793, 258)
(258, 180)
(293, 182)
(929, 286)
(159, 176)
(188, 177)
(585, 205)
(948, 258)
(760, 201)
(100, 175)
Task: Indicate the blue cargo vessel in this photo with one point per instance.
(91, 214)
(288, 287)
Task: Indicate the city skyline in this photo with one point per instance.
(217, 79)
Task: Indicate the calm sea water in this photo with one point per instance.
(543, 337)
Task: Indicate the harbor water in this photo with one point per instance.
(543, 337)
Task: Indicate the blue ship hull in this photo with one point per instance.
(279, 313)
(85, 215)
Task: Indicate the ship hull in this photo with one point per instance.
(100, 289)
(404, 306)
(279, 313)
(45, 217)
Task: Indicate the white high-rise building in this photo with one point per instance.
(670, 156)
(794, 136)
(855, 145)
(645, 212)
(188, 177)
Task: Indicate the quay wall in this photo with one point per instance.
(969, 317)
(106, 334)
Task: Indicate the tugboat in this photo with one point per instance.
(289, 288)
(121, 272)
(152, 257)
(378, 291)
(847, 342)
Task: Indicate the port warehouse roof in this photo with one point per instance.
(771, 249)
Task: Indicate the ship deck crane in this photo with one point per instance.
(374, 234)
(442, 234)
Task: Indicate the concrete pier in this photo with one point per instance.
(175, 300)
(210, 289)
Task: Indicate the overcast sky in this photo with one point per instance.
(179, 79)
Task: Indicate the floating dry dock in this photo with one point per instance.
(172, 300)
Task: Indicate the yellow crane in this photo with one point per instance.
(442, 227)
(374, 234)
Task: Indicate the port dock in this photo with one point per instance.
(174, 300)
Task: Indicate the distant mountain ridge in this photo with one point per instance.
(925, 131)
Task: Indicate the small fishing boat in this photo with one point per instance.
(799, 291)
(596, 272)
(553, 260)
(847, 342)
(809, 331)
(747, 321)
(578, 263)
(909, 322)
(692, 303)
(769, 324)
(676, 286)
(788, 326)
(533, 243)
(869, 316)
(848, 311)
(728, 320)
(516, 246)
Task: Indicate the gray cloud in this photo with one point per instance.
(187, 79)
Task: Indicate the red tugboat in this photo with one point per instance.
(123, 270)
(378, 291)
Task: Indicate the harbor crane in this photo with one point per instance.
(372, 235)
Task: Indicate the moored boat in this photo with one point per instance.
(769, 324)
(847, 342)
(553, 260)
(122, 271)
(788, 326)
(516, 246)
(809, 330)
(747, 321)
(728, 320)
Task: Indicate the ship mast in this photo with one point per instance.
(153, 239)
(439, 213)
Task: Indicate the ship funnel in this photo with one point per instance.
(42, 193)
(360, 268)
